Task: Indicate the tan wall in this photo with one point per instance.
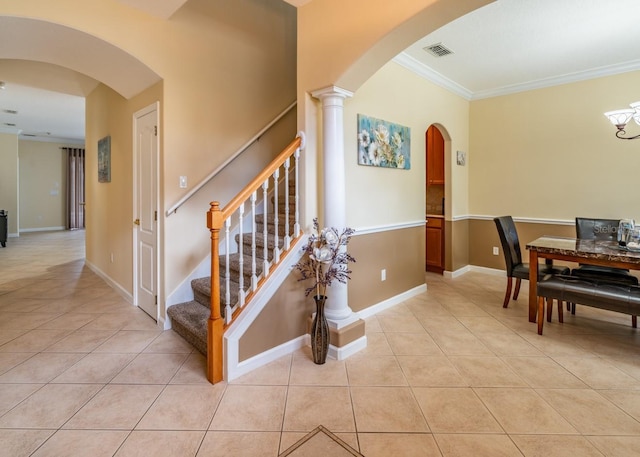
(483, 236)
(381, 196)
(109, 206)
(43, 185)
(551, 154)
(9, 179)
(400, 252)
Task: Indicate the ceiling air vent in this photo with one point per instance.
(438, 50)
(9, 111)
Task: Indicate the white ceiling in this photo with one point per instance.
(504, 47)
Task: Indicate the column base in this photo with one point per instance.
(345, 340)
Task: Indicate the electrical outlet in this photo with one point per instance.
(496, 251)
(183, 182)
(383, 274)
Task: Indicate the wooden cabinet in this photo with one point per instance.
(435, 245)
(435, 156)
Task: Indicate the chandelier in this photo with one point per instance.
(621, 117)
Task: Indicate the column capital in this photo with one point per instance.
(331, 91)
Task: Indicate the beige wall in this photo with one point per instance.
(109, 206)
(551, 154)
(43, 185)
(9, 179)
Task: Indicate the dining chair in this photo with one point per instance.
(513, 258)
(606, 230)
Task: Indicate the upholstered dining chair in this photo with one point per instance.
(599, 229)
(513, 258)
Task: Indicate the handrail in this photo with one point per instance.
(213, 174)
(255, 184)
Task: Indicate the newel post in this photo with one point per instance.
(215, 325)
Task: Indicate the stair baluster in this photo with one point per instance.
(254, 275)
(265, 248)
(276, 212)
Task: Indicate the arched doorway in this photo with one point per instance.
(435, 198)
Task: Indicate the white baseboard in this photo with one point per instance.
(234, 371)
(42, 229)
(388, 303)
(114, 285)
(486, 270)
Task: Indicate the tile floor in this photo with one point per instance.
(447, 373)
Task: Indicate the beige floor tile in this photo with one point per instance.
(616, 446)
(307, 408)
(375, 371)
(168, 443)
(188, 407)
(275, 373)
(192, 371)
(459, 445)
(151, 369)
(240, 444)
(115, 407)
(398, 444)
(399, 323)
(597, 373)
(22, 443)
(81, 341)
(95, 368)
(41, 368)
(441, 408)
(543, 372)
(6, 335)
(377, 344)
(423, 371)
(413, 344)
(372, 325)
(522, 411)
(96, 443)
(627, 400)
(251, 408)
(69, 321)
(387, 409)
(169, 342)
(305, 372)
(9, 360)
(508, 344)
(486, 372)
(320, 442)
(460, 343)
(34, 341)
(288, 439)
(12, 394)
(590, 413)
(50, 407)
(128, 341)
(555, 446)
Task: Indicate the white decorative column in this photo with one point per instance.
(335, 214)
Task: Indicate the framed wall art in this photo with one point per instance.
(104, 159)
(383, 143)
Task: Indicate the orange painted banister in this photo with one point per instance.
(245, 193)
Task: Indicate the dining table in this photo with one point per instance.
(593, 252)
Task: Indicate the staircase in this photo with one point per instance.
(190, 319)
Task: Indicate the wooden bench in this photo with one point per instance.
(616, 297)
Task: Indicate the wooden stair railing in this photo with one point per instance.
(218, 218)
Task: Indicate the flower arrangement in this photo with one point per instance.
(325, 260)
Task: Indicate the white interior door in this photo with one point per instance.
(146, 210)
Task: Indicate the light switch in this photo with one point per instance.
(183, 182)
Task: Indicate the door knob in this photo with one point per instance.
(137, 222)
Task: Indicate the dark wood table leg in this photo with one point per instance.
(533, 284)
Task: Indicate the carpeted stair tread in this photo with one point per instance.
(189, 320)
(234, 266)
(202, 292)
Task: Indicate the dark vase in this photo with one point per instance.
(319, 332)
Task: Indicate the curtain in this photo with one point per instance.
(75, 188)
